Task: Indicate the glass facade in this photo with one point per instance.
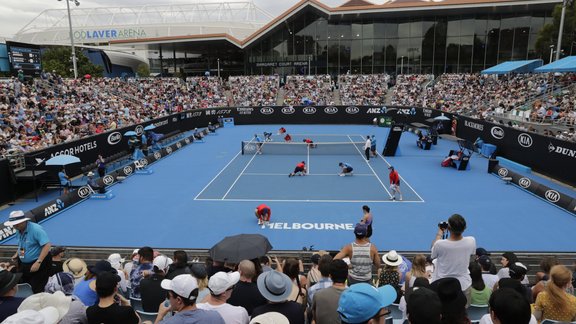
(427, 44)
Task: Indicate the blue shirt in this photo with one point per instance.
(87, 296)
(346, 165)
(323, 283)
(257, 139)
(136, 277)
(31, 241)
(63, 178)
(194, 316)
(373, 143)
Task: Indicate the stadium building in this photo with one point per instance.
(403, 36)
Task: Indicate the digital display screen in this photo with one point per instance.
(25, 57)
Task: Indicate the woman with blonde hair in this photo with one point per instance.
(555, 303)
(418, 270)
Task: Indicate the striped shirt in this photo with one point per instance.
(361, 262)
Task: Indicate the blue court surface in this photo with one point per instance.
(207, 191)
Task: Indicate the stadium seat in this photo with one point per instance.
(145, 316)
(24, 290)
(549, 321)
(475, 312)
(395, 312)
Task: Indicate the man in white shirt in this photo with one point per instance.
(453, 253)
(221, 285)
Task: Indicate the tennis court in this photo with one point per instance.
(260, 172)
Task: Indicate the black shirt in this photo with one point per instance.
(151, 293)
(247, 295)
(9, 306)
(292, 310)
(113, 314)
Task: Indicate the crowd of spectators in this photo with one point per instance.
(260, 90)
(309, 90)
(435, 289)
(409, 89)
(363, 89)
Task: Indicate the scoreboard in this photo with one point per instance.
(25, 57)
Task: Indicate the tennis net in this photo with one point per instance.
(283, 148)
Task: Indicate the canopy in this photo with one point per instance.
(514, 67)
(567, 64)
(62, 160)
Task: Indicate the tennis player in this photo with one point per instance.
(288, 138)
(394, 183)
(345, 169)
(373, 145)
(367, 146)
(258, 142)
(300, 169)
(281, 131)
(263, 213)
(309, 142)
(267, 137)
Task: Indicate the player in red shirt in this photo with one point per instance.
(394, 183)
(281, 131)
(300, 168)
(309, 142)
(288, 138)
(263, 213)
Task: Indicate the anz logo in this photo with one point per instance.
(54, 208)
(375, 111)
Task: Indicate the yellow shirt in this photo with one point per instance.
(552, 311)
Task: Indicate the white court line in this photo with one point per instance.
(237, 178)
(310, 200)
(377, 177)
(216, 176)
(307, 175)
(307, 160)
(406, 182)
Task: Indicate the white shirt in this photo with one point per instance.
(490, 280)
(453, 258)
(230, 314)
(486, 319)
(367, 144)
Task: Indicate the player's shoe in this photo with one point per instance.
(400, 198)
(259, 222)
(342, 174)
(266, 223)
(290, 175)
(393, 198)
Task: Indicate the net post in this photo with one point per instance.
(242, 147)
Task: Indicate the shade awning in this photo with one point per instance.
(526, 66)
(567, 64)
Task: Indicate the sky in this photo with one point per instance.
(15, 14)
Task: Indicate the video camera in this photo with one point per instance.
(443, 225)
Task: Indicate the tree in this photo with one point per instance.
(143, 71)
(59, 59)
(548, 35)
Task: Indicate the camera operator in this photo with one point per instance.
(452, 252)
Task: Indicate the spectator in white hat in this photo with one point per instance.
(33, 254)
(182, 294)
(116, 261)
(221, 285)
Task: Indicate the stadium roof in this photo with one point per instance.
(351, 8)
(567, 64)
(514, 67)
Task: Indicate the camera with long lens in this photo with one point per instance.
(443, 225)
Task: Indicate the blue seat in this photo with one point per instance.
(24, 290)
(475, 312)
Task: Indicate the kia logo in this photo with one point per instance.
(497, 132)
(187, 140)
(178, 145)
(525, 140)
(114, 138)
(157, 155)
(139, 130)
(524, 183)
(127, 170)
(552, 196)
(288, 110)
(143, 162)
(169, 150)
(330, 110)
(352, 110)
(108, 180)
(84, 192)
(503, 172)
(309, 110)
(174, 119)
(267, 110)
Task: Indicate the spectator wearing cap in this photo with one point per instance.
(453, 254)
(107, 310)
(363, 303)
(424, 307)
(182, 295)
(151, 292)
(246, 293)
(276, 288)
(146, 256)
(8, 290)
(76, 267)
(487, 265)
(57, 253)
(132, 264)
(391, 275)
(325, 302)
(33, 253)
(93, 183)
(179, 266)
(555, 303)
(480, 292)
(198, 271)
(453, 300)
(221, 285)
(508, 306)
(85, 290)
(362, 254)
(116, 261)
(508, 259)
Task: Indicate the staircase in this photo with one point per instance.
(389, 95)
(336, 97)
(280, 97)
(229, 97)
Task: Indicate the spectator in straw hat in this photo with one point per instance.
(77, 267)
(391, 275)
(33, 254)
(270, 318)
(8, 290)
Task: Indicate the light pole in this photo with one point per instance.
(218, 60)
(551, 53)
(559, 46)
(402, 64)
(74, 66)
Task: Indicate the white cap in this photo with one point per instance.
(48, 315)
(221, 281)
(116, 260)
(182, 285)
(90, 174)
(162, 262)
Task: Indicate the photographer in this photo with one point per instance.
(452, 252)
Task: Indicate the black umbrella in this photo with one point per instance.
(240, 247)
